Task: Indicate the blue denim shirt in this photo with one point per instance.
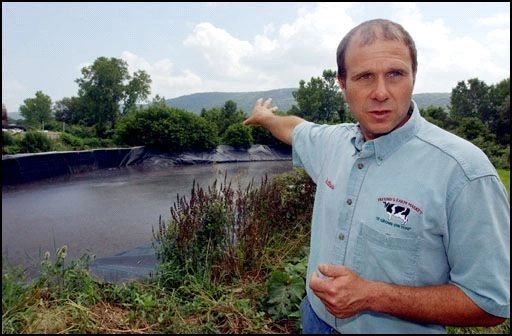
(416, 207)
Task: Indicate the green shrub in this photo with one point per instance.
(79, 143)
(90, 143)
(81, 131)
(35, 142)
(11, 142)
(107, 143)
(58, 146)
(238, 136)
(13, 149)
(7, 139)
(74, 142)
(53, 125)
(262, 136)
(166, 129)
(501, 158)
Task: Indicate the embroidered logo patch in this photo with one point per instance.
(398, 211)
(398, 208)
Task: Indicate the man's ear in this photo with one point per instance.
(342, 84)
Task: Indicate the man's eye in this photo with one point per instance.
(393, 74)
(365, 76)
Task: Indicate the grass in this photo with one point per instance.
(198, 305)
(66, 298)
(505, 178)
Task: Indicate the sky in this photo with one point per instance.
(231, 47)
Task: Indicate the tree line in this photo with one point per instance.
(109, 108)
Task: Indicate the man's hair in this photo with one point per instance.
(369, 32)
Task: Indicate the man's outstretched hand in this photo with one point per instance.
(281, 127)
(261, 112)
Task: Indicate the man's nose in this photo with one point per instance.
(380, 91)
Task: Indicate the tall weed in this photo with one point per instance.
(223, 233)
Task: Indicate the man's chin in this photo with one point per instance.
(376, 132)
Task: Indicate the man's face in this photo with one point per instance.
(378, 85)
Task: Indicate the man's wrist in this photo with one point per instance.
(269, 119)
(375, 295)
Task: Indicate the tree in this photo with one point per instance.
(213, 116)
(158, 101)
(238, 136)
(438, 116)
(319, 100)
(471, 128)
(69, 110)
(37, 111)
(471, 100)
(488, 103)
(230, 115)
(104, 86)
(501, 125)
(137, 89)
(499, 121)
(224, 117)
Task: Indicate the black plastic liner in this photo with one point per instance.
(21, 168)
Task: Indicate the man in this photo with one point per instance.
(410, 228)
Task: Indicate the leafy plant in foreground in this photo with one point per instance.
(286, 290)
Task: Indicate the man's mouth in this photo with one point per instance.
(379, 114)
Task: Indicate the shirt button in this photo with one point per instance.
(341, 236)
(349, 201)
(360, 165)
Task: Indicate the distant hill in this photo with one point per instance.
(434, 98)
(14, 115)
(244, 100)
(281, 98)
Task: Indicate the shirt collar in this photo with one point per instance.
(385, 145)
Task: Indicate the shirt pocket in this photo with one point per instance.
(383, 257)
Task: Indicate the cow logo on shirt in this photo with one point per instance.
(399, 209)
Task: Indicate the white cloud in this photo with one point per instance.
(283, 54)
(498, 40)
(166, 81)
(495, 20)
(222, 51)
(278, 57)
(320, 29)
(446, 56)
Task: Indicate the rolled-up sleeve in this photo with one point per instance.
(479, 244)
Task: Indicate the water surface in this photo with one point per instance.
(105, 212)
